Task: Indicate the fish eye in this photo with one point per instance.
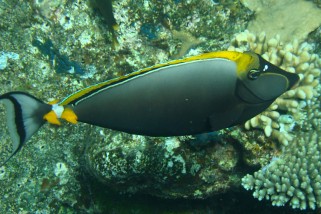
(253, 74)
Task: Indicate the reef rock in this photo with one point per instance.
(170, 167)
(289, 18)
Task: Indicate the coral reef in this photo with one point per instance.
(293, 57)
(273, 20)
(293, 120)
(294, 177)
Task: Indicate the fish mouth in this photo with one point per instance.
(292, 78)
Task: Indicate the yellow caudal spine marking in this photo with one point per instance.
(241, 59)
(69, 115)
(58, 112)
(52, 118)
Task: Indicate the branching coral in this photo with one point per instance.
(293, 57)
(294, 177)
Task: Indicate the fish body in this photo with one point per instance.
(190, 96)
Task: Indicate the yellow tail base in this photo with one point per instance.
(67, 114)
(52, 118)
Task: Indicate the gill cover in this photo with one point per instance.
(260, 81)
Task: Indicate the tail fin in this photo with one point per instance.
(24, 117)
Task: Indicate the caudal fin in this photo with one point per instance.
(24, 117)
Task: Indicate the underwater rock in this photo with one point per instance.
(49, 9)
(4, 56)
(278, 17)
(166, 167)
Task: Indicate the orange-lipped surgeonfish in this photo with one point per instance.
(189, 96)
